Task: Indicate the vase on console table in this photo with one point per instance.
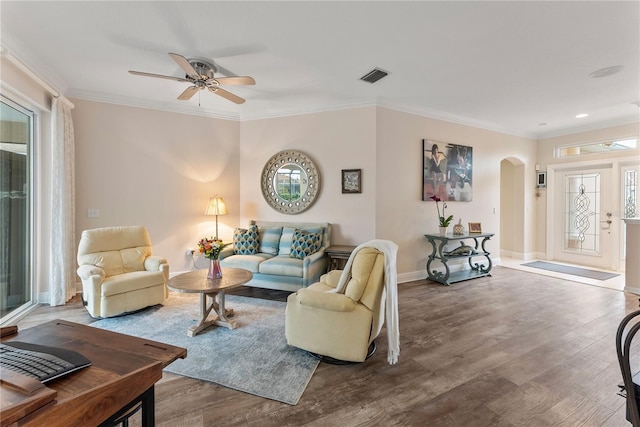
(458, 229)
(215, 271)
(443, 231)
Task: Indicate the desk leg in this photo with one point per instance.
(146, 403)
(220, 319)
(148, 400)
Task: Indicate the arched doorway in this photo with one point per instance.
(512, 209)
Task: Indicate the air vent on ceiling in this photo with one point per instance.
(606, 72)
(374, 75)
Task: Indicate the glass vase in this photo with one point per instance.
(215, 271)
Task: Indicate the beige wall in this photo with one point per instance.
(157, 169)
(178, 161)
(336, 140)
(403, 217)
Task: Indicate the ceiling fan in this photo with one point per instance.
(200, 73)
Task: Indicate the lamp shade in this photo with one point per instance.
(216, 207)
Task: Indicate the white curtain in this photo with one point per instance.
(63, 256)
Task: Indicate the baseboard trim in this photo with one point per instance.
(632, 290)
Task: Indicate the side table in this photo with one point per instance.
(338, 256)
(439, 253)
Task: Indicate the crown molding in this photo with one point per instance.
(358, 103)
(37, 67)
(97, 96)
(448, 117)
(591, 127)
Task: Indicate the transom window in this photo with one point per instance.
(596, 147)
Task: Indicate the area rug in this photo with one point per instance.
(253, 358)
(575, 271)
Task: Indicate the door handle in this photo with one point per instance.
(608, 220)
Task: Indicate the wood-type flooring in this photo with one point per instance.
(514, 349)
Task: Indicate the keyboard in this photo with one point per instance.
(41, 362)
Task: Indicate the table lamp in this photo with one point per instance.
(216, 207)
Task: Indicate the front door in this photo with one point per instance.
(585, 211)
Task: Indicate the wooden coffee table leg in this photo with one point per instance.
(205, 311)
(204, 314)
(223, 313)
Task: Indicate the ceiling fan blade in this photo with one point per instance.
(227, 95)
(237, 80)
(188, 93)
(159, 76)
(184, 64)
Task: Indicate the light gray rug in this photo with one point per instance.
(575, 271)
(253, 358)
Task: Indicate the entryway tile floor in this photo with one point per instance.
(616, 283)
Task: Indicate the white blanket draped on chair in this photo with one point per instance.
(390, 250)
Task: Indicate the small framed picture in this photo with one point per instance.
(475, 227)
(352, 180)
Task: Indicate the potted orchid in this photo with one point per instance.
(443, 221)
(211, 249)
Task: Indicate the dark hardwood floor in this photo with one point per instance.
(514, 349)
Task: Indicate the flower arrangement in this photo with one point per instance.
(444, 222)
(211, 248)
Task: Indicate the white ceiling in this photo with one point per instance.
(506, 66)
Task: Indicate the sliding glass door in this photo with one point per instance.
(16, 142)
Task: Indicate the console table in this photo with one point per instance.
(453, 252)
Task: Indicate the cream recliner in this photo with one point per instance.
(340, 326)
(119, 272)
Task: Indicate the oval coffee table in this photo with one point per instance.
(197, 282)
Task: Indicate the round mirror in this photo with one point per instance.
(290, 182)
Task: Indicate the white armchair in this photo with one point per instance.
(341, 327)
(119, 272)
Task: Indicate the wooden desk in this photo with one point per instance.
(338, 256)
(123, 372)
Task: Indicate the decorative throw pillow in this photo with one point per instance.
(245, 242)
(305, 243)
(285, 241)
(269, 239)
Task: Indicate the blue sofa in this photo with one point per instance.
(272, 265)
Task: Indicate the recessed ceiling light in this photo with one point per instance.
(581, 116)
(606, 72)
